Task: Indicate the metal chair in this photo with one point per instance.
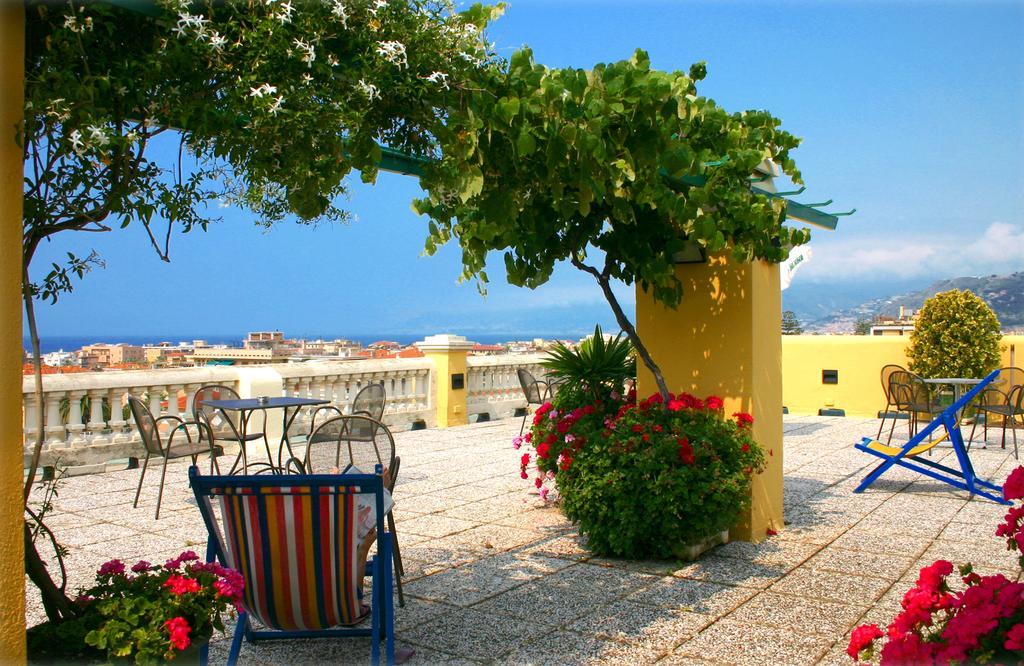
(914, 397)
(888, 372)
(1003, 399)
(149, 429)
(221, 425)
(535, 391)
(362, 442)
(369, 401)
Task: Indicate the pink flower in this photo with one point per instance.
(113, 567)
(570, 438)
(1014, 486)
(517, 441)
(141, 565)
(187, 556)
(544, 493)
(1015, 638)
(179, 630)
(713, 403)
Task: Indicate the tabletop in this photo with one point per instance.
(952, 380)
(270, 403)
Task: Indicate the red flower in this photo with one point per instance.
(525, 460)
(524, 475)
(588, 410)
(657, 428)
(862, 637)
(745, 448)
(538, 482)
(1014, 486)
(543, 450)
(686, 451)
(713, 403)
(646, 437)
(179, 630)
(529, 436)
(110, 568)
(638, 428)
(181, 585)
(743, 419)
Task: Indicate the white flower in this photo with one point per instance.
(217, 41)
(332, 60)
(338, 9)
(264, 89)
(98, 135)
(70, 22)
(393, 52)
(440, 78)
(377, 6)
(276, 106)
(308, 51)
(88, 23)
(284, 15)
(76, 141)
(369, 90)
(306, 78)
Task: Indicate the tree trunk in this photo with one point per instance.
(627, 326)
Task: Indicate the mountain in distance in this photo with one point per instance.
(1003, 293)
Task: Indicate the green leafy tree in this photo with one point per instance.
(269, 106)
(956, 335)
(595, 167)
(790, 324)
(862, 327)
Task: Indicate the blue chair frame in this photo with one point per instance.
(379, 567)
(964, 478)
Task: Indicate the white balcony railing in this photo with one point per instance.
(87, 420)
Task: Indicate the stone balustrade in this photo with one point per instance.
(493, 385)
(86, 419)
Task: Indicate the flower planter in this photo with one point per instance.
(693, 551)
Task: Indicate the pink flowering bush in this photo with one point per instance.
(146, 614)
(981, 623)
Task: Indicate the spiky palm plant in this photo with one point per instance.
(594, 364)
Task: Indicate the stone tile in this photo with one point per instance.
(660, 629)
(493, 538)
(434, 525)
(732, 571)
(798, 614)
(771, 551)
(860, 562)
(732, 642)
(471, 583)
(570, 546)
(471, 634)
(902, 544)
(568, 648)
(692, 595)
(832, 586)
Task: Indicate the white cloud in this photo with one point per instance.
(999, 249)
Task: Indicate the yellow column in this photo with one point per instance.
(725, 339)
(12, 567)
(448, 353)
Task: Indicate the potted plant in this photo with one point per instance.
(144, 614)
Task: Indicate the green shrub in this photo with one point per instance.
(597, 366)
(644, 480)
(956, 335)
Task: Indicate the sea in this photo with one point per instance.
(52, 343)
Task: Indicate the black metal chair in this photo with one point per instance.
(221, 425)
(369, 401)
(363, 442)
(913, 396)
(535, 390)
(1003, 399)
(149, 429)
(888, 372)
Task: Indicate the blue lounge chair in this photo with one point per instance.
(312, 591)
(908, 456)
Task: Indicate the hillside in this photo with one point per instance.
(1003, 293)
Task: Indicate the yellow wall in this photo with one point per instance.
(859, 360)
(724, 339)
(451, 404)
(12, 568)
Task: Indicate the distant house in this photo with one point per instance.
(902, 325)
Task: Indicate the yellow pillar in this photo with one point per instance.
(725, 339)
(12, 568)
(448, 353)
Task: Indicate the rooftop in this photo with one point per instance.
(493, 575)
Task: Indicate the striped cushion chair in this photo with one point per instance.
(296, 541)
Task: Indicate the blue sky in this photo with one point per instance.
(912, 112)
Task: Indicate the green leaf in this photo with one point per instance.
(526, 144)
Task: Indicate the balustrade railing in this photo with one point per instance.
(493, 385)
(86, 418)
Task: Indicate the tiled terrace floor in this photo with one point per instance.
(494, 576)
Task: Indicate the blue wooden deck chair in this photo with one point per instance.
(909, 455)
(295, 540)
